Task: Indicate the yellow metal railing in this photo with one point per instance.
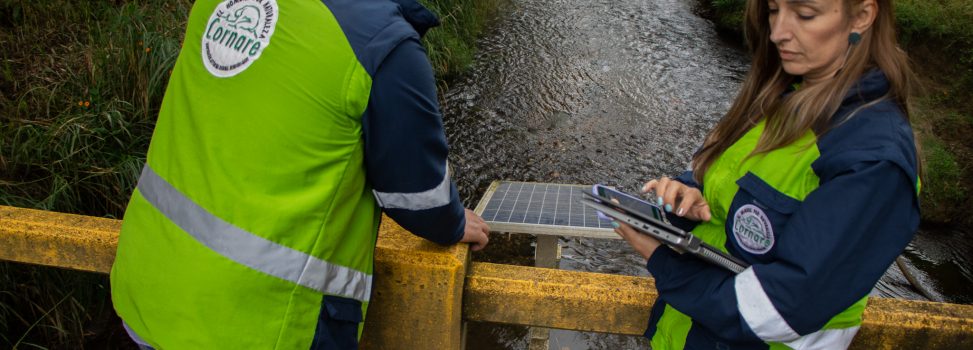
(430, 290)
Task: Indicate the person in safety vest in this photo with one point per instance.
(812, 178)
(286, 129)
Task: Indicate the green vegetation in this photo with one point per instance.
(81, 86)
(728, 14)
(943, 171)
(81, 83)
(51, 308)
(946, 23)
(939, 37)
(451, 45)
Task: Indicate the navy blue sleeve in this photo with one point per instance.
(406, 150)
(833, 250)
(685, 224)
(687, 179)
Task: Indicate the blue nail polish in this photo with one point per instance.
(615, 224)
(668, 208)
(658, 200)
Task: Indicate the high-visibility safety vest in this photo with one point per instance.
(760, 202)
(721, 182)
(253, 204)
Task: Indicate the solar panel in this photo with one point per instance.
(541, 208)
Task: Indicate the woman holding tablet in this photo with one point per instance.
(811, 177)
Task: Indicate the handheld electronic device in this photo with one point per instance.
(646, 208)
(643, 221)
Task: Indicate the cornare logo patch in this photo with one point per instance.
(752, 229)
(236, 34)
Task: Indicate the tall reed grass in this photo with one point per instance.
(451, 46)
(81, 83)
(79, 109)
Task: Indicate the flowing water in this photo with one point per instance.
(614, 92)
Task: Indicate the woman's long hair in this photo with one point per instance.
(810, 108)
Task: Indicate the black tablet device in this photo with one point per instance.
(635, 215)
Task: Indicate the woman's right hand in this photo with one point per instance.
(676, 197)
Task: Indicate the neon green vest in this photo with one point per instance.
(253, 203)
(788, 170)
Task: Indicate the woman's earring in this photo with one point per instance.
(854, 38)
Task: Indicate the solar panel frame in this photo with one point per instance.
(526, 213)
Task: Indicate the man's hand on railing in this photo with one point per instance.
(477, 232)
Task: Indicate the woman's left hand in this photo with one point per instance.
(643, 244)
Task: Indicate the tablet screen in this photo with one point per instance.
(645, 208)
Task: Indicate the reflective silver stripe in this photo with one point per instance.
(251, 250)
(825, 339)
(436, 197)
(758, 311)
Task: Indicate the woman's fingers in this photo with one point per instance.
(668, 192)
(699, 208)
(659, 187)
(650, 186)
(690, 197)
(679, 199)
(622, 230)
(685, 203)
(701, 211)
(672, 195)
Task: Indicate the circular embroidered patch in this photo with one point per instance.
(236, 33)
(752, 229)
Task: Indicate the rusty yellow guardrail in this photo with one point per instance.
(430, 290)
(620, 304)
(418, 285)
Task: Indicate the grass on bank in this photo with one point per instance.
(80, 87)
(946, 173)
(939, 38)
(451, 46)
(938, 35)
